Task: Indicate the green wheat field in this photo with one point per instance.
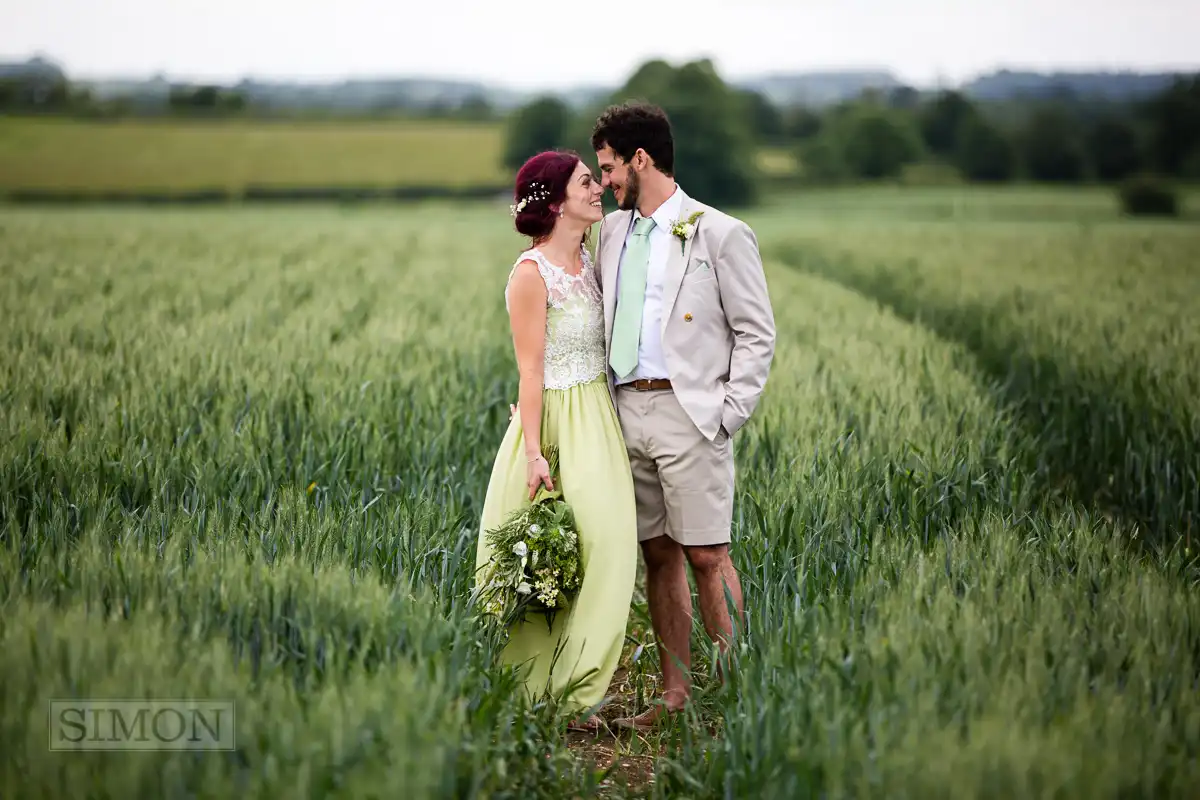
(244, 452)
(180, 155)
(171, 156)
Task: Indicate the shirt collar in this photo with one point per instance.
(667, 213)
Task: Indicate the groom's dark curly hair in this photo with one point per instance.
(629, 126)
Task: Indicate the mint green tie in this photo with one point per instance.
(627, 326)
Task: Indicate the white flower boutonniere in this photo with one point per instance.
(684, 230)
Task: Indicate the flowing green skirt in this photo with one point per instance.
(581, 652)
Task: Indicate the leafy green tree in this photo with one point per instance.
(715, 148)
(651, 80)
(864, 139)
(802, 123)
(764, 117)
(540, 125)
(579, 131)
(1052, 149)
(475, 108)
(1175, 122)
(1113, 147)
(207, 97)
(983, 153)
(878, 143)
(1148, 195)
(821, 160)
(942, 120)
(903, 97)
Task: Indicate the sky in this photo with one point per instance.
(530, 44)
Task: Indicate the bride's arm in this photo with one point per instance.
(527, 317)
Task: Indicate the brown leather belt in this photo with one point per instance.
(647, 385)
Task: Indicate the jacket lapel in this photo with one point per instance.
(676, 262)
(610, 262)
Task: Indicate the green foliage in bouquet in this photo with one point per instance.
(536, 563)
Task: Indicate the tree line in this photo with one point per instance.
(42, 88)
(1141, 145)
(49, 93)
(881, 136)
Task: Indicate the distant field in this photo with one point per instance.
(777, 162)
(178, 155)
(188, 156)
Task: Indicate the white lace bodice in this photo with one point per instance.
(574, 322)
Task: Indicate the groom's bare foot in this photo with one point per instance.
(650, 718)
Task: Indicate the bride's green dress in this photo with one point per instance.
(594, 476)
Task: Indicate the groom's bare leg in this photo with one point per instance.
(714, 572)
(670, 600)
(667, 592)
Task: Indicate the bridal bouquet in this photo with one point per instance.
(536, 562)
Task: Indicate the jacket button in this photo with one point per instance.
(687, 317)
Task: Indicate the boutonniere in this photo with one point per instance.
(684, 230)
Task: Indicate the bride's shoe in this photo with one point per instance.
(592, 724)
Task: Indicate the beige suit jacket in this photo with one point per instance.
(718, 329)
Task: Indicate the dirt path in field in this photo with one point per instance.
(633, 773)
(633, 753)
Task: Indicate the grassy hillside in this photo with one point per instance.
(230, 155)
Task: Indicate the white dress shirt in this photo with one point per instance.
(651, 362)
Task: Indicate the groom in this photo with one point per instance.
(690, 336)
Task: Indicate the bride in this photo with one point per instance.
(556, 316)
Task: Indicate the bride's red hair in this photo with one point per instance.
(542, 184)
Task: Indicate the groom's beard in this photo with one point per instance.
(629, 202)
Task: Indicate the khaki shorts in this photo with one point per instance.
(683, 482)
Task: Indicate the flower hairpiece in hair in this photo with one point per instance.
(537, 192)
